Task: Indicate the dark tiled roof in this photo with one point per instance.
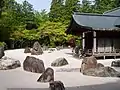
(115, 11)
(96, 21)
(108, 21)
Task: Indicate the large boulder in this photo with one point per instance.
(37, 49)
(59, 62)
(1, 52)
(90, 67)
(56, 85)
(115, 63)
(47, 76)
(27, 50)
(33, 64)
(88, 62)
(7, 63)
(102, 72)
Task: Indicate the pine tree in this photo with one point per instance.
(86, 6)
(56, 10)
(1, 6)
(71, 6)
(101, 6)
(117, 3)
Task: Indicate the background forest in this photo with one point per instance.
(21, 23)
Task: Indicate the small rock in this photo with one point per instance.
(33, 64)
(59, 62)
(59, 47)
(1, 52)
(47, 76)
(115, 63)
(27, 50)
(56, 85)
(76, 50)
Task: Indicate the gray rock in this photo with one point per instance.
(59, 47)
(102, 72)
(90, 67)
(52, 49)
(76, 50)
(37, 49)
(9, 63)
(27, 50)
(56, 85)
(1, 52)
(100, 65)
(115, 63)
(88, 62)
(33, 64)
(45, 48)
(47, 76)
(59, 62)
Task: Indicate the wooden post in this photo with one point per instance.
(94, 42)
(83, 41)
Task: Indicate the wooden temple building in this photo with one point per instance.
(100, 33)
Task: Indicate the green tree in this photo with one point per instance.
(101, 6)
(1, 6)
(86, 6)
(56, 10)
(70, 7)
(117, 3)
(42, 16)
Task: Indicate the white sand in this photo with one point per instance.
(18, 78)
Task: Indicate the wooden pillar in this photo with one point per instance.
(83, 41)
(94, 42)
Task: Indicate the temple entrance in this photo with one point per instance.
(89, 41)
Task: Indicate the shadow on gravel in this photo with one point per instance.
(69, 53)
(107, 86)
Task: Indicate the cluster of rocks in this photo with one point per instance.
(48, 76)
(90, 67)
(36, 65)
(36, 50)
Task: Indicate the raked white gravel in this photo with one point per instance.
(18, 78)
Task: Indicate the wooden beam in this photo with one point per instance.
(83, 41)
(94, 42)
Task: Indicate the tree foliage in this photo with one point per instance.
(14, 18)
